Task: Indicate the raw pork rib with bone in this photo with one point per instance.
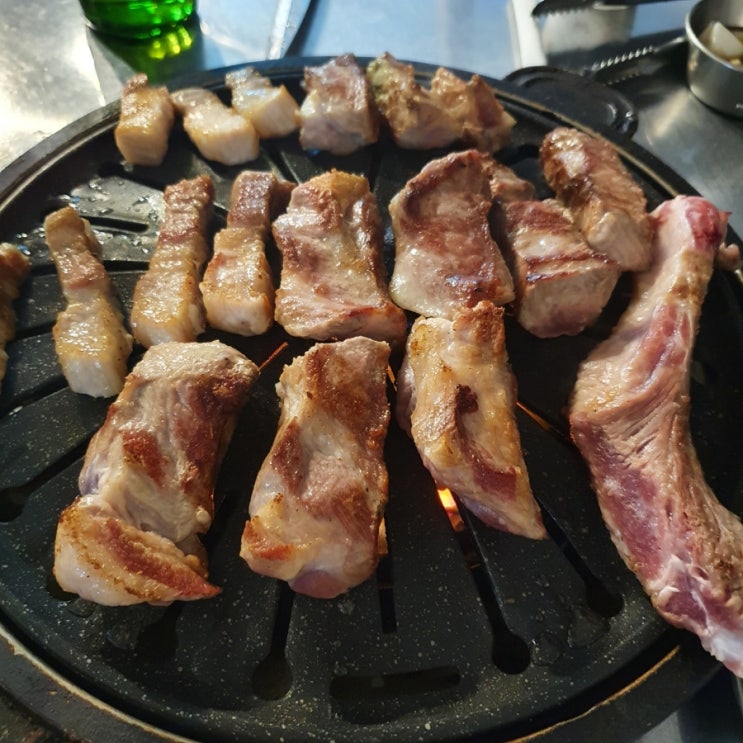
(629, 416)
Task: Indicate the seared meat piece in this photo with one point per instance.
(332, 277)
(452, 110)
(90, 339)
(446, 258)
(146, 486)
(629, 416)
(505, 185)
(145, 122)
(269, 108)
(338, 113)
(218, 132)
(13, 270)
(167, 303)
(415, 117)
(456, 397)
(237, 288)
(561, 284)
(319, 496)
(607, 205)
(484, 123)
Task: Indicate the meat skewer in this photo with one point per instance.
(456, 397)
(146, 486)
(14, 267)
(90, 339)
(445, 256)
(610, 209)
(167, 304)
(218, 132)
(319, 496)
(561, 284)
(333, 282)
(338, 113)
(145, 122)
(629, 416)
(237, 287)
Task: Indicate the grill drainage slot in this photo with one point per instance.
(375, 698)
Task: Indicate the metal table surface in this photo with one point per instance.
(53, 70)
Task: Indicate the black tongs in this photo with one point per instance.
(546, 7)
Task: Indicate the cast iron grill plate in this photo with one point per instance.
(461, 633)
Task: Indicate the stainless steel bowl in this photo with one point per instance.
(714, 81)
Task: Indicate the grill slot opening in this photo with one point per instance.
(510, 652)
(13, 499)
(374, 698)
(385, 591)
(599, 598)
(104, 223)
(272, 677)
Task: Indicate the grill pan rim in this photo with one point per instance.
(687, 662)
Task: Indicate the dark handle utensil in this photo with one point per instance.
(545, 7)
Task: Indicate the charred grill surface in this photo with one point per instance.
(463, 630)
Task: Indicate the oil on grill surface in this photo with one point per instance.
(463, 629)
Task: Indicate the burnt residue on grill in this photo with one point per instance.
(463, 632)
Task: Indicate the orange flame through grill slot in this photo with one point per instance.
(451, 508)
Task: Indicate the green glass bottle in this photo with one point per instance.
(136, 19)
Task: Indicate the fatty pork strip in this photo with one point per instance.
(146, 486)
(145, 122)
(90, 340)
(445, 256)
(14, 267)
(338, 112)
(237, 287)
(167, 304)
(271, 109)
(456, 397)
(333, 282)
(610, 209)
(319, 496)
(219, 133)
(451, 110)
(561, 284)
(629, 416)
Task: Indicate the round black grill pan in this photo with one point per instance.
(463, 633)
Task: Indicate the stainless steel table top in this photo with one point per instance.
(53, 70)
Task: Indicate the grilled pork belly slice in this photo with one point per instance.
(333, 282)
(456, 397)
(270, 109)
(607, 205)
(445, 256)
(629, 416)
(561, 284)
(219, 133)
(237, 287)
(167, 303)
(319, 496)
(338, 112)
(146, 486)
(145, 122)
(14, 267)
(90, 339)
(451, 110)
